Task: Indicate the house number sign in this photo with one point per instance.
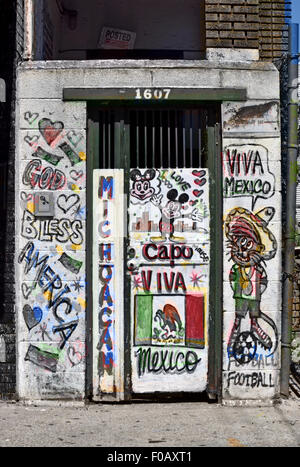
(152, 93)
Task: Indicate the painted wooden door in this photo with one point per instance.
(151, 252)
(169, 252)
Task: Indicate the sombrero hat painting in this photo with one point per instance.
(253, 225)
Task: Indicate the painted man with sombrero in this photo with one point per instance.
(251, 243)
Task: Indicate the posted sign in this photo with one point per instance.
(112, 38)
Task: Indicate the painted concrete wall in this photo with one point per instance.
(252, 250)
(50, 260)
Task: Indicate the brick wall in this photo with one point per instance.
(273, 28)
(248, 24)
(11, 48)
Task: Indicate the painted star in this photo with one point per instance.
(196, 279)
(79, 212)
(76, 284)
(137, 282)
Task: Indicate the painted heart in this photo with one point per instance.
(30, 117)
(31, 140)
(76, 175)
(74, 137)
(32, 316)
(74, 356)
(198, 173)
(200, 182)
(26, 196)
(26, 290)
(193, 202)
(50, 130)
(65, 203)
(198, 193)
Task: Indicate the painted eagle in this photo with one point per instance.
(170, 320)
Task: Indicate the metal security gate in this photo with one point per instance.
(158, 138)
(152, 257)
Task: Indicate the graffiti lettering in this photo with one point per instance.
(180, 181)
(246, 187)
(170, 280)
(106, 184)
(65, 330)
(259, 361)
(202, 254)
(61, 230)
(33, 261)
(246, 172)
(252, 380)
(163, 252)
(47, 279)
(166, 361)
(45, 178)
(241, 162)
(105, 346)
(105, 251)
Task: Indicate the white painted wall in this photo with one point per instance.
(48, 367)
(250, 370)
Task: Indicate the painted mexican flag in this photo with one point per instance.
(169, 320)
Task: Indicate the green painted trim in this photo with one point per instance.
(177, 94)
(214, 387)
(92, 163)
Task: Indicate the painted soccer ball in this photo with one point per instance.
(244, 348)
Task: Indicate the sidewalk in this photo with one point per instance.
(155, 425)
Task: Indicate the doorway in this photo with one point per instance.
(155, 214)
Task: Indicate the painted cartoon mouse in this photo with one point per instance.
(171, 211)
(142, 188)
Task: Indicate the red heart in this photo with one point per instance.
(200, 182)
(193, 202)
(198, 193)
(198, 173)
(50, 134)
(50, 130)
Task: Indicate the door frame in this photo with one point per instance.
(215, 317)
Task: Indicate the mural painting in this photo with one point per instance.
(251, 245)
(169, 266)
(106, 317)
(52, 252)
(108, 282)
